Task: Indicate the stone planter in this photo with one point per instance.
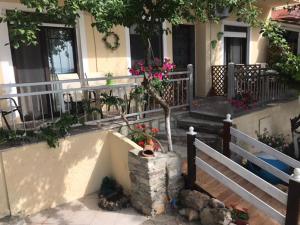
(155, 181)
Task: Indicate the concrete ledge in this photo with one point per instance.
(38, 177)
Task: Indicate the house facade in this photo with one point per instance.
(87, 55)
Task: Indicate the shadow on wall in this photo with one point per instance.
(276, 118)
(259, 47)
(38, 177)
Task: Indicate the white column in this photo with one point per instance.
(83, 52)
(6, 64)
(128, 51)
(165, 41)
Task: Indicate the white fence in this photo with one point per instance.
(291, 200)
(30, 105)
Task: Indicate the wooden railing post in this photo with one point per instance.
(227, 123)
(191, 159)
(190, 70)
(230, 81)
(293, 204)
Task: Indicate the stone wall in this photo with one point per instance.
(155, 181)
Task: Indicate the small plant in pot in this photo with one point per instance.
(244, 101)
(109, 80)
(144, 136)
(239, 215)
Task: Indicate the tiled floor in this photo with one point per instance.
(86, 212)
(81, 212)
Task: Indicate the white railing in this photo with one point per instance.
(290, 200)
(27, 106)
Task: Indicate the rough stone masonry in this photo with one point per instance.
(155, 181)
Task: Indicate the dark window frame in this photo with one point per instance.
(237, 29)
(160, 49)
(74, 46)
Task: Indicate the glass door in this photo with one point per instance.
(54, 54)
(236, 41)
(235, 50)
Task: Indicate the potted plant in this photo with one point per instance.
(109, 80)
(144, 136)
(239, 215)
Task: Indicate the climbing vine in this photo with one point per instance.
(281, 58)
(147, 16)
(50, 133)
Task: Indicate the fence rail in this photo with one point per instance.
(27, 106)
(260, 84)
(290, 200)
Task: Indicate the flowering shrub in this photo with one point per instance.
(278, 141)
(156, 73)
(155, 80)
(243, 101)
(144, 135)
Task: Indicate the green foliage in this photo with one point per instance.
(144, 135)
(219, 36)
(277, 141)
(115, 101)
(109, 80)
(100, 101)
(281, 57)
(147, 16)
(214, 44)
(49, 133)
(109, 75)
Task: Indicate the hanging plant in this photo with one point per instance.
(115, 43)
(215, 42)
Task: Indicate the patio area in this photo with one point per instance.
(85, 211)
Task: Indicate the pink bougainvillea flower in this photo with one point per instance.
(141, 143)
(154, 130)
(158, 75)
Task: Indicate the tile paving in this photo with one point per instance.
(85, 211)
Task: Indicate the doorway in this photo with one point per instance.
(236, 44)
(54, 54)
(184, 47)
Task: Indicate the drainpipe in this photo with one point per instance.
(3, 177)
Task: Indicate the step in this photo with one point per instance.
(200, 125)
(207, 116)
(179, 137)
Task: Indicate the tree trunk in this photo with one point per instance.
(148, 52)
(167, 112)
(161, 101)
(168, 129)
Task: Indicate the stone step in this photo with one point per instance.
(179, 138)
(200, 125)
(207, 116)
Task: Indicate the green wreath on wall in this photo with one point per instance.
(116, 40)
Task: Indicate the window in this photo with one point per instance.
(236, 44)
(54, 54)
(61, 51)
(138, 52)
(292, 38)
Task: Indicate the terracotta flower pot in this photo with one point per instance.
(148, 151)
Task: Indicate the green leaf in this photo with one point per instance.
(220, 35)
(214, 44)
